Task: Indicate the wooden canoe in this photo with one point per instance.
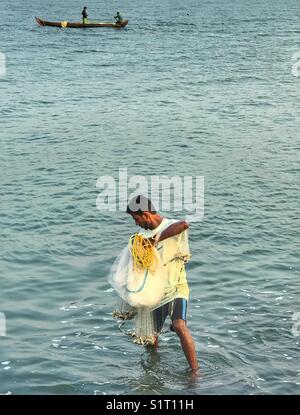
(81, 25)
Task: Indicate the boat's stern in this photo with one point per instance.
(124, 23)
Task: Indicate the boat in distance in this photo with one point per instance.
(64, 24)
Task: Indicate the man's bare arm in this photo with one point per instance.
(172, 230)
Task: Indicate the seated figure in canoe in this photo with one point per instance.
(118, 18)
(84, 15)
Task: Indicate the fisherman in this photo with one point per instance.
(84, 15)
(157, 228)
(119, 18)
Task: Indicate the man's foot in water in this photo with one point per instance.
(195, 373)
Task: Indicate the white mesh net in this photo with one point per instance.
(141, 291)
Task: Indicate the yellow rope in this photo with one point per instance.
(143, 254)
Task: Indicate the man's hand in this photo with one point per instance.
(152, 241)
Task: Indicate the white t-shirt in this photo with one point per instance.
(174, 252)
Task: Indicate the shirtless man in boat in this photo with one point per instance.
(84, 15)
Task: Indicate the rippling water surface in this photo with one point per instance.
(188, 88)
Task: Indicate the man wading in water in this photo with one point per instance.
(157, 228)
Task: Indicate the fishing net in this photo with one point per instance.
(143, 325)
(140, 276)
(140, 279)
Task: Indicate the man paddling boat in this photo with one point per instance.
(119, 18)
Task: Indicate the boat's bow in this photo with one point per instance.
(39, 21)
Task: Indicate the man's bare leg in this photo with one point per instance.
(187, 343)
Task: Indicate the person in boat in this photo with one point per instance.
(158, 230)
(84, 15)
(119, 18)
